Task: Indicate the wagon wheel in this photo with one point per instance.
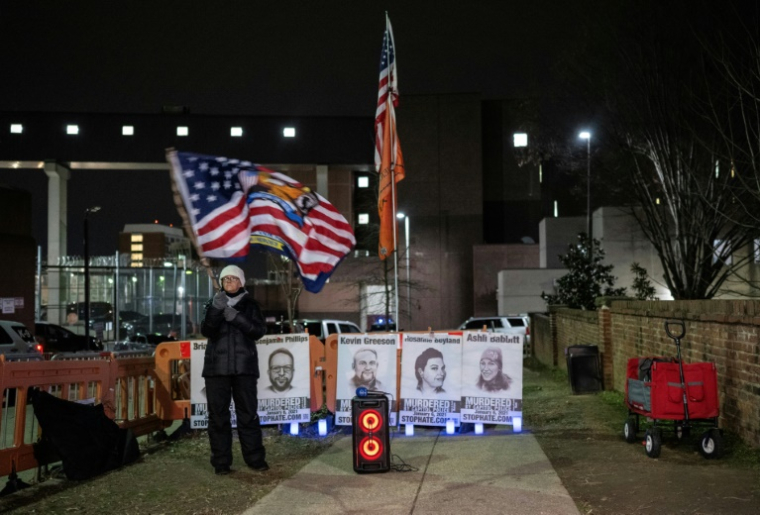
(653, 442)
(629, 430)
(711, 444)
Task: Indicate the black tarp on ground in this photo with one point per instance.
(82, 436)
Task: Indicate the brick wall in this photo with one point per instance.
(725, 332)
(575, 327)
(541, 338)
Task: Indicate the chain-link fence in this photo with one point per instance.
(163, 296)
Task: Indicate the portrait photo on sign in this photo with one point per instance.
(366, 364)
(492, 369)
(284, 368)
(431, 369)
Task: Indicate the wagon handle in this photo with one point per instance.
(676, 323)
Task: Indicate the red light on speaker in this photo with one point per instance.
(371, 448)
(370, 420)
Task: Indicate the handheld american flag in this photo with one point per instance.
(232, 204)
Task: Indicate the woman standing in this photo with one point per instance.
(232, 323)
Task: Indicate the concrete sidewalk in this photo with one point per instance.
(497, 472)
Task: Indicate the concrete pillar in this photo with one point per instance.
(58, 179)
(322, 181)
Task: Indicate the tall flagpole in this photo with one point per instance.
(391, 117)
(393, 203)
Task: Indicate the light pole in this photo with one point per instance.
(408, 270)
(587, 136)
(87, 211)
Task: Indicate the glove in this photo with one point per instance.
(230, 313)
(220, 300)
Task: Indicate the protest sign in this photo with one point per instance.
(284, 394)
(431, 367)
(367, 360)
(491, 377)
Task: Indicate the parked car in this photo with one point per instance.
(166, 323)
(15, 337)
(510, 324)
(150, 339)
(382, 325)
(99, 312)
(323, 328)
(132, 322)
(54, 338)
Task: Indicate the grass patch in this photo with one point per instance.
(175, 478)
(550, 408)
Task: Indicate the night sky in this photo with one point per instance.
(283, 58)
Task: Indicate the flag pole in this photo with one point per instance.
(395, 223)
(391, 115)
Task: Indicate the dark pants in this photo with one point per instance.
(219, 391)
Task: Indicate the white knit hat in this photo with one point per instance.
(234, 271)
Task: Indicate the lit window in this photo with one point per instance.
(520, 139)
(556, 209)
(136, 238)
(236, 132)
(363, 218)
(137, 256)
(127, 130)
(137, 247)
(182, 131)
(289, 132)
(362, 181)
(718, 250)
(17, 128)
(72, 129)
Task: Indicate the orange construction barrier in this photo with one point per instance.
(172, 380)
(133, 380)
(330, 368)
(71, 380)
(122, 382)
(317, 360)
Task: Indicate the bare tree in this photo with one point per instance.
(289, 282)
(654, 84)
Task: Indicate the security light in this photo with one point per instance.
(520, 139)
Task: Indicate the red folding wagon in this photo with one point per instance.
(673, 396)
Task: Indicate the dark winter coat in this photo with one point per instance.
(231, 348)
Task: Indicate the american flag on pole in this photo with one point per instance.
(231, 205)
(389, 162)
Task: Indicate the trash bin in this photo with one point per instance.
(583, 368)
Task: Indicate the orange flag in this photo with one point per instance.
(392, 164)
(389, 162)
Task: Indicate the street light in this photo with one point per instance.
(587, 136)
(87, 211)
(408, 270)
